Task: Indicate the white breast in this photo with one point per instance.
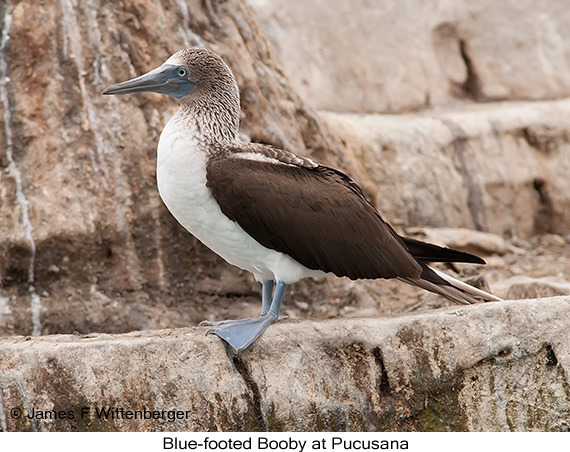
(181, 177)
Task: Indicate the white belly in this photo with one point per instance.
(181, 177)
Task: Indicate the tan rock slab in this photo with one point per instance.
(496, 366)
(368, 56)
(496, 167)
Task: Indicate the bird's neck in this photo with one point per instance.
(212, 119)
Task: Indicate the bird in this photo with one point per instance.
(266, 210)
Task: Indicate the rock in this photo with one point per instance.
(552, 240)
(499, 168)
(382, 56)
(521, 287)
(86, 245)
(80, 209)
(488, 367)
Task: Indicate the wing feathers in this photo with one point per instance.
(321, 218)
(315, 215)
(449, 287)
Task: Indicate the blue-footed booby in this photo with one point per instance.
(268, 211)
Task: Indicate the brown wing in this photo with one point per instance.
(316, 215)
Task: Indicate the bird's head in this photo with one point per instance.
(187, 71)
(205, 85)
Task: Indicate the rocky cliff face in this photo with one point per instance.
(87, 244)
(368, 56)
(81, 222)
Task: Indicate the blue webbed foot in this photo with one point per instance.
(240, 334)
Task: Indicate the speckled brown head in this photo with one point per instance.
(201, 80)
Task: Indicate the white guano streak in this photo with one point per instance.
(191, 39)
(72, 38)
(3, 420)
(15, 172)
(70, 26)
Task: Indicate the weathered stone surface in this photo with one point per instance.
(388, 56)
(496, 366)
(519, 287)
(499, 168)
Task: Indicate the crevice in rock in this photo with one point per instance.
(541, 139)
(471, 87)
(26, 402)
(255, 420)
(505, 352)
(551, 359)
(494, 357)
(546, 218)
(464, 163)
(530, 138)
(384, 383)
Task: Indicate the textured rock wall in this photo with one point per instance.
(391, 56)
(492, 367)
(498, 167)
(86, 244)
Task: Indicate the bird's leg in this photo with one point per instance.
(240, 334)
(266, 295)
(277, 299)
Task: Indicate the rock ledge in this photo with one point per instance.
(495, 366)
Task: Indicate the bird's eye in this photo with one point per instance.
(182, 72)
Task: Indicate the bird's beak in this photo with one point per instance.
(166, 79)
